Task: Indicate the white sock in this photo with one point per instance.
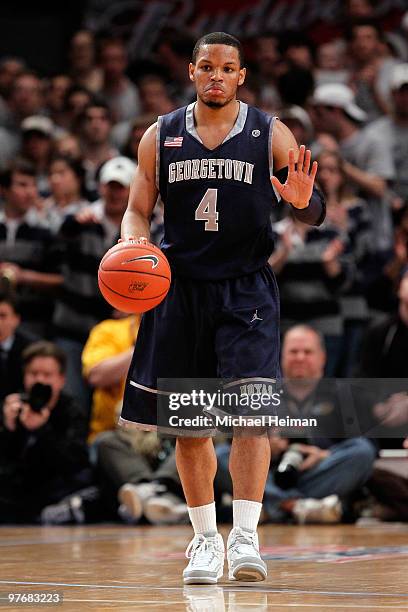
(203, 518)
(246, 514)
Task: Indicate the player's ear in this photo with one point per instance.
(242, 75)
(191, 70)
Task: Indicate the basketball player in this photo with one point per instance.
(211, 163)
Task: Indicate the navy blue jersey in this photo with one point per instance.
(217, 203)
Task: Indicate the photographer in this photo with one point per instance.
(43, 453)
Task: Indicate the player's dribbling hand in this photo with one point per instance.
(299, 185)
(140, 240)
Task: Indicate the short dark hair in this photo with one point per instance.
(43, 348)
(363, 23)
(10, 298)
(219, 38)
(95, 103)
(18, 166)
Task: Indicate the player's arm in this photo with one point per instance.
(143, 190)
(294, 176)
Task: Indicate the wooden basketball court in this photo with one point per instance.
(139, 568)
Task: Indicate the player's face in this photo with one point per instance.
(217, 74)
(302, 355)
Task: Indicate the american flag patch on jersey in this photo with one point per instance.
(173, 141)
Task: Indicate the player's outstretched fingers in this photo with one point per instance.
(314, 170)
(306, 165)
(301, 158)
(291, 160)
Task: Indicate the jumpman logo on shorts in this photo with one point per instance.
(255, 317)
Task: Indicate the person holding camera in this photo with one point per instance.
(43, 451)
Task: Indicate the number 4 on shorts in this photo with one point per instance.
(207, 211)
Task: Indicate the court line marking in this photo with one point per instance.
(246, 604)
(225, 588)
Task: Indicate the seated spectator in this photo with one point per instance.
(13, 341)
(350, 216)
(312, 273)
(82, 61)
(393, 129)
(95, 126)
(76, 100)
(66, 178)
(106, 359)
(37, 134)
(128, 134)
(119, 93)
(26, 262)
(137, 470)
(368, 162)
(82, 242)
(370, 76)
(43, 453)
(68, 146)
(154, 96)
(332, 470)
(299, 122)
(384, 350)
(331, 63)
(55, 94)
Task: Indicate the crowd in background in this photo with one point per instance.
(68, 151)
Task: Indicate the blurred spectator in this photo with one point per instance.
(269, 64)
(119, 93)
(359, 9)
(83, 240)
(398, 263)
(10, 69)
(55, 97)
(12, 343)
(297, 50)
(42, 448)
(350, 216)
(174, 51)
(76, 100)
(26, 262)
(331, 63)
(368, 158)
(154, 96)
(295, 85)
(332, 469)
(68, 145)
(106, 359)
(384, 351)
(94, 132)
(26, 99)
(370, 76)
(138, 471)
(67, 185)
(37, 135)
(299, 122)
(393, 129)
(312, 273)
(83, 70)
(135, 132)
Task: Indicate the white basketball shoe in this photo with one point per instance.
(206, 554)
(244, 560)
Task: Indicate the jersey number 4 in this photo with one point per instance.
(207, 211)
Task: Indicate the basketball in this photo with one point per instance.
(134, 277)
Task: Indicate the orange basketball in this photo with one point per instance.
(134, 277)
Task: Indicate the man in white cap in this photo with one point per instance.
(393, 129)
(82, 241)
(368, 161)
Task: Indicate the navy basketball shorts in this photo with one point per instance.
(226, 329)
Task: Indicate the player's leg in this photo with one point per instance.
(248, 351)
(196, 465)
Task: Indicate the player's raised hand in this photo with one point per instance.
(299, 185)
